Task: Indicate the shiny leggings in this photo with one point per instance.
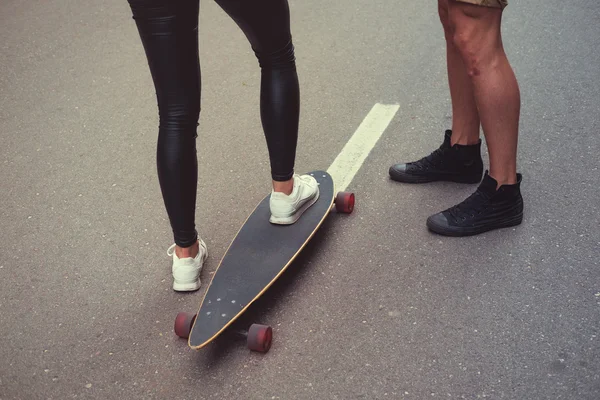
(169, 33)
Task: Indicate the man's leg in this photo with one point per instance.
(497, 203)
(459, 157)
(465, 117)
(478, 38)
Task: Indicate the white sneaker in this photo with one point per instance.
(286, 210)
(186, 271)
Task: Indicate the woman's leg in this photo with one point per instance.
(266, 24)
(169, 33)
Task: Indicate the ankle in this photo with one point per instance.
(285, 187)
(188, 252)
(503, 178)
(463, 139)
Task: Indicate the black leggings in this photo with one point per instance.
(169, 33)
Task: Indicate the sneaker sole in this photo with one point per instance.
(187, 287)
(460, 232)
(403, 177)
(293, 218)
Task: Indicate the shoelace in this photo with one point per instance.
(171, 250)
(431, 160)
(470, 207)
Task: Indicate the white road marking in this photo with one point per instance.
(355, 152)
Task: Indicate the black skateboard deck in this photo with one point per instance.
(256, 257)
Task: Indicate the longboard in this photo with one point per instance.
(257, 256)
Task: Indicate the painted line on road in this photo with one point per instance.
(355, 152)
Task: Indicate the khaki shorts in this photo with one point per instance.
(487, 3)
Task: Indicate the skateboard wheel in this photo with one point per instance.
(183, 324)
(344, 202)
(259, 338)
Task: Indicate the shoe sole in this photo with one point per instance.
(403, 177)
(187, 287)
(461, 232)
(296, 216)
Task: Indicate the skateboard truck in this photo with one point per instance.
(258, 337)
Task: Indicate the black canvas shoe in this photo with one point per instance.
(483, 211)
(456, 163)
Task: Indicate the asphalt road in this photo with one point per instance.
(377, 307)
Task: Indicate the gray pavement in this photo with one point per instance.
(376, 307)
